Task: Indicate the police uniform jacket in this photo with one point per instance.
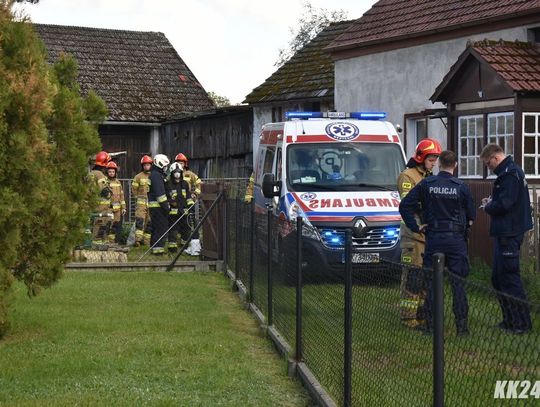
(157, 195)
(510, 206)
(447, 204)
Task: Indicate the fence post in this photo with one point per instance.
(438, 330)
(347, 351)
(270, 308)
(236, 238)
(299, 350)
(252, 248)
(225, 230)
(536, 231)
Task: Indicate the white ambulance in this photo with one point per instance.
(338, 171)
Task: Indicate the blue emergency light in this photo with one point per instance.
(336, 115)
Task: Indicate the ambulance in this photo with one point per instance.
(337, 171)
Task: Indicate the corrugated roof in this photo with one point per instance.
(517, 63)
(308, 74)
(390, 20)
(138, 74)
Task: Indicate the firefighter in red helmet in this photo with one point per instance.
(139, 188)
(412, 292)
(118, 203)
(98, 180)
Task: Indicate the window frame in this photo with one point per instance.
(536, 135)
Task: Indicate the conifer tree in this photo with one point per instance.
(47, 133)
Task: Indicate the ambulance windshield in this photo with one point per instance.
(343, 166)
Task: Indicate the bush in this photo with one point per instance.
(47, 133)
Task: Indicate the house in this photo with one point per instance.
(304, 83)
(140, 77)
(399, 51)
(492, 94)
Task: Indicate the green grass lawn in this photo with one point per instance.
(139, 339)
(135, 254)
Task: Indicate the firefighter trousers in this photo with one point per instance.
(160, 223)
(412, 288)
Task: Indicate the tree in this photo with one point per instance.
(219, 101)
(47, 132)
(312, 22)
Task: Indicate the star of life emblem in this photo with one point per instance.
(342, 131)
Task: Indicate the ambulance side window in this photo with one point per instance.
(277, 172)
(268, 160)
(258, 170)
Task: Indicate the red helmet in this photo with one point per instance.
(102, 158)
(112, 164)
(426, 147)
(146, 160)
(181, 157)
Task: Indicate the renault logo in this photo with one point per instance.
(360, 228)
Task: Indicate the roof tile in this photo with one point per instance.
(309, 73)
(390, 20)
(138, 74)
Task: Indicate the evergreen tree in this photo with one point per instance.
(47, 132)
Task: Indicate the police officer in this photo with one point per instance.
(510, 209)
(448, 211)
(158, 204)
(412, 290)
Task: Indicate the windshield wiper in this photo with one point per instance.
(315, 186)
(381, 187)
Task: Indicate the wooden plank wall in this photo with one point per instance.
(218, 146)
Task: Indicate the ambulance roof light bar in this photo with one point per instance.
(336, 115)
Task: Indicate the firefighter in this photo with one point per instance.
(448, 212)
(118, 203)
(139, 188)
(158, 204)
(249, 189)
(189, 176)
(193, 180)
(180, 201)
(412, 293)
(101, 216)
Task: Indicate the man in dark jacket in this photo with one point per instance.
(510, 209)
(448, 211)
(158, 204)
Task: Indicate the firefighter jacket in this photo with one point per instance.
(249, 189)
(117, 195)
(179, 196)
(157, 194)
(406, 181)
(100, 182)
(194, 182)
(140, 187)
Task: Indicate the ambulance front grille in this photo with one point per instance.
(376, 238)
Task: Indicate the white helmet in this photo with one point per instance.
(161, 161)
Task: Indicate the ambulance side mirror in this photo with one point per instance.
(270, 187)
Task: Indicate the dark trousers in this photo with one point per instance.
(181, 228)
(507, 281)
(160, 223)
(454, 247)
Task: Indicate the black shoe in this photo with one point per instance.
(518, 331)
(462, 328)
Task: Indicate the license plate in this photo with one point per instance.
(365, 257)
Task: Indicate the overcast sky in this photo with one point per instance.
(230, 45)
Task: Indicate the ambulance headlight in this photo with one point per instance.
(308, 230)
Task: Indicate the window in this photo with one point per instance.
(531, 144)
(501, 131)
(421, 129)
(471, 137)
(268, 160)
(277, 114)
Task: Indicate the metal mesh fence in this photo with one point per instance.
(391, 362)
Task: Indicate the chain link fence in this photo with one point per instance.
(352, 337)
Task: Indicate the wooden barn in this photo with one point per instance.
(140, 77)
(217, 142)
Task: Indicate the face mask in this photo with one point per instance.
(177, 175)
